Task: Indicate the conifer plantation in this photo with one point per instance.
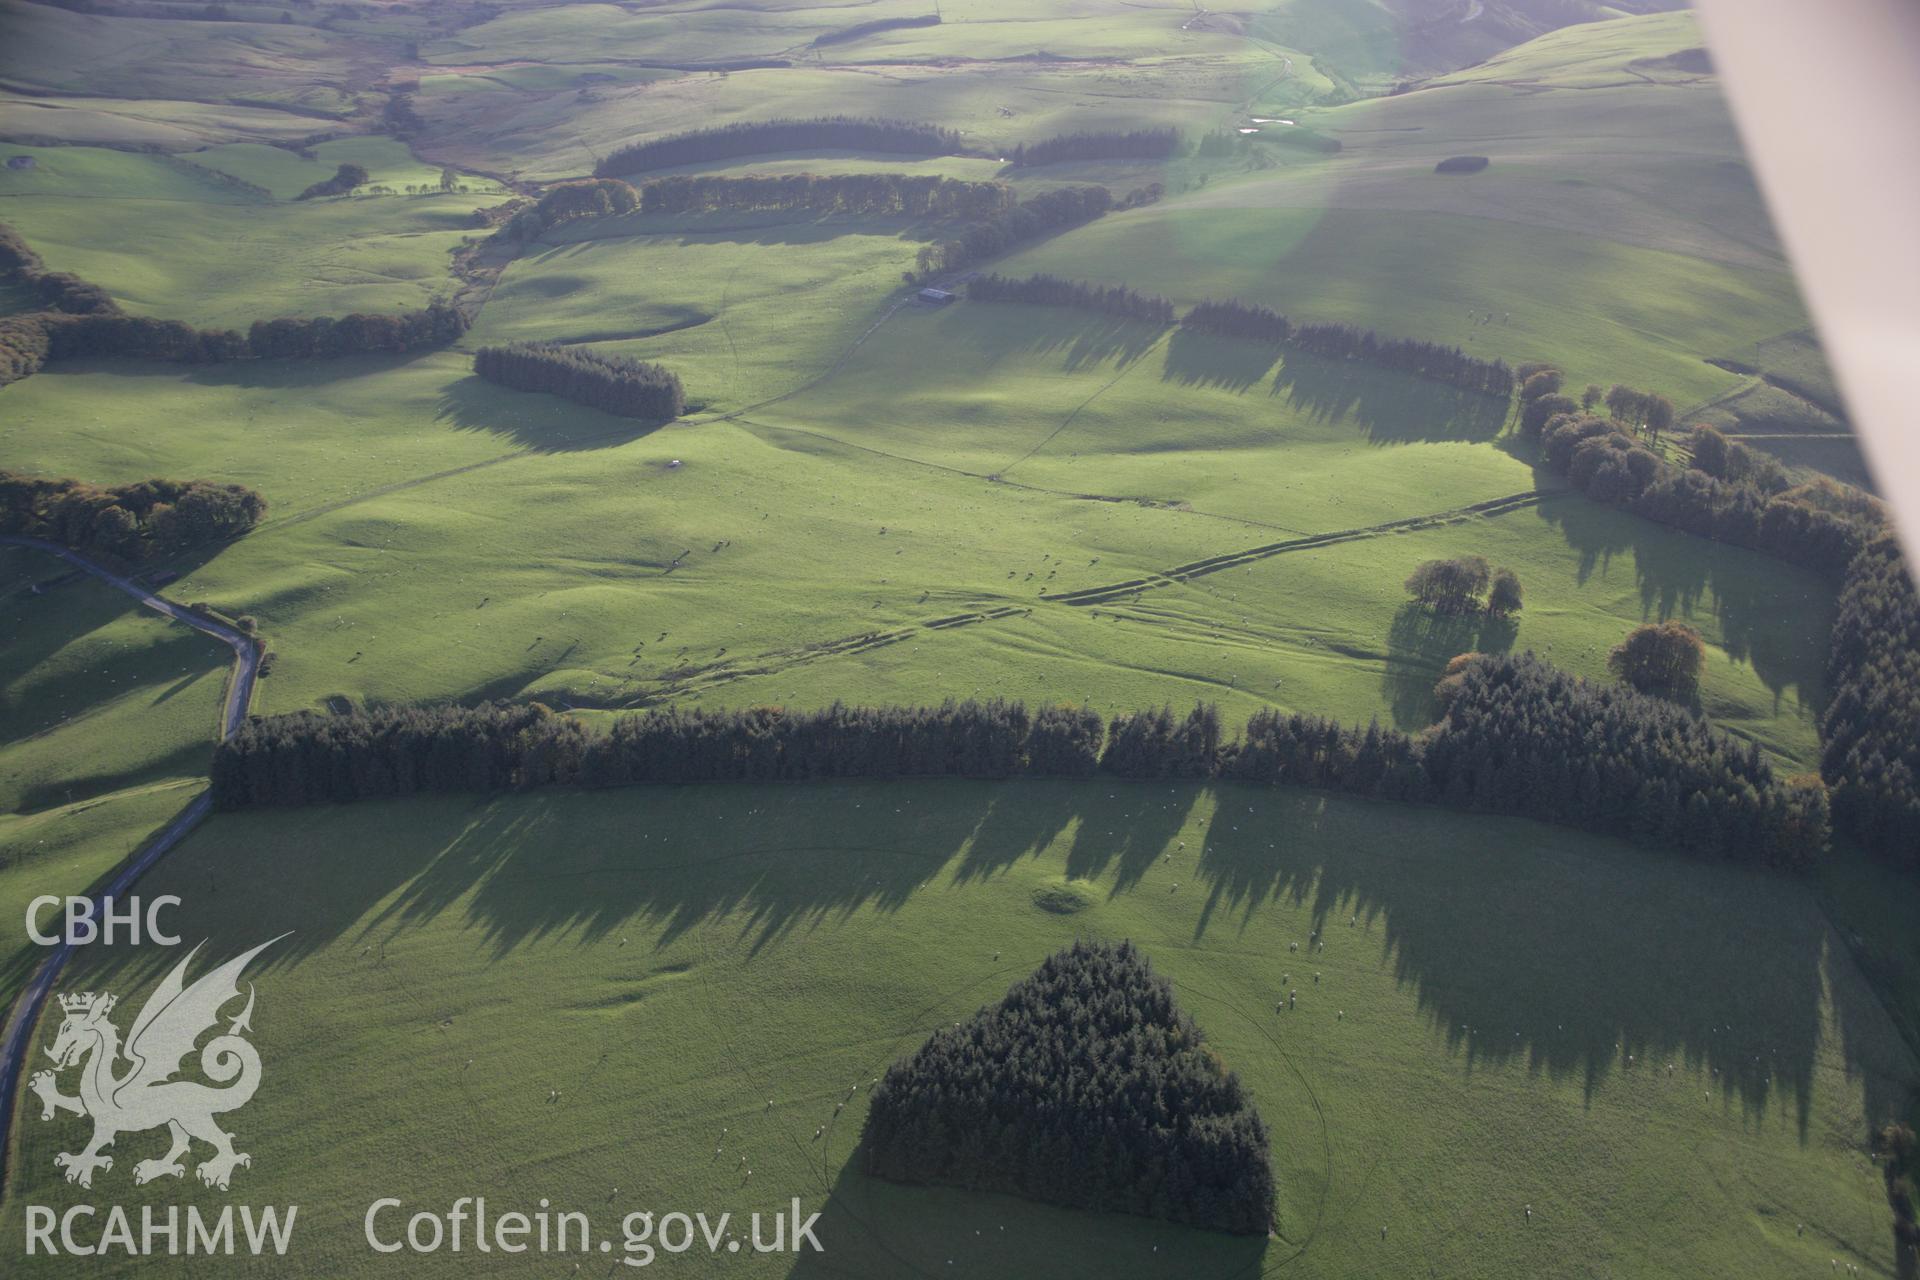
(1517, 737)
(1872, 754)
(1086, 1086)
(79, 320)
(613, 384)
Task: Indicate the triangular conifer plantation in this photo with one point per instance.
(1087, 1086)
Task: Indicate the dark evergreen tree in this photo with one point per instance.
(1632, 762)
(344, 180)
(1870, 731)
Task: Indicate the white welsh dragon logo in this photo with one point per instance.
(146, 1095)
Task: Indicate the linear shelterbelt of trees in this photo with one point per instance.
(83, 322)
(885, 194)
(1870, 732)
(1052, 291)
(1086, 1086)
(140, 521)
(861, 30)
(1518, 737)
(821, 133)
(1820, 525)
(613, 384)
(1036, 216)
(896, 194)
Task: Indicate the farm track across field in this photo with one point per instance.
(692, 679)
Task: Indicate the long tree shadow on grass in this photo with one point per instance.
(1420, 643)
(1524, 944)
(1571, 955)
(1128, 831)
(1225, 364)
(1010, 832)
(1082, 339)
(72, 606)
(1770, 615)
(873, 1228)
(534, 421)
(1391, 407)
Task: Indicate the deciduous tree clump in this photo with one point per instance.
(1758, 506)
(1086, 1086)
(130, 521)
(1450, 586)
(1661, 658)
(1456, 585)
(1504, 597)
(343, 181)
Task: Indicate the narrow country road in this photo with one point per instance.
(15, 1044)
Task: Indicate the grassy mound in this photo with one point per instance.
(1061, 898)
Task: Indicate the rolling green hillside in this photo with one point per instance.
(1523, 1051)
(610, 999)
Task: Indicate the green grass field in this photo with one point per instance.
(816, 555)
(1514, 1016)
(582, 995)
(109, 713)
(166, 238)
(285, 174)
(291, 68)
(100, 694)
(1605, 312)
